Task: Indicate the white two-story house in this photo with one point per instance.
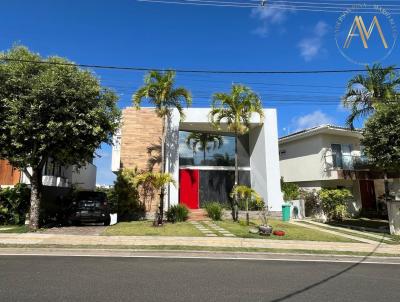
(332, 157)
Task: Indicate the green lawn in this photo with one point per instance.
(13, 229)
(293, 232)
(364, 222)
(145, 228)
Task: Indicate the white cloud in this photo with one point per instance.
(311, 46)
(268, 16)
(310, 120)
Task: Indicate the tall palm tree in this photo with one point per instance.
(365, 92)
(204, 142)
(159, 90)
(235, 109)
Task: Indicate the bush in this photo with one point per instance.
(312, 203)
(126, 194)
(290, 191)
(335, 203)
(14, 204)
(177, 213)
(214, 210)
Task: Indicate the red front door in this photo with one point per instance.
(368, 198)
(189, 188)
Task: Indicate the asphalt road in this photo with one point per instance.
(38, 278)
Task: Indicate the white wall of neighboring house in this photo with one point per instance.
(307, 161)
(83, 178)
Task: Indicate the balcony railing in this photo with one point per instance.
(347, 162)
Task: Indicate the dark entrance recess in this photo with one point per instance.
(368, 198)
(216, 185)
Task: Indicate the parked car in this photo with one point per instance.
(89, 206)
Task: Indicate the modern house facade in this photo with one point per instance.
(201, 174)
(332, 157)
(54, 175)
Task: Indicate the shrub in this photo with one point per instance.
(312, 203)
(177, 213)
(129, 207)
(214, 210)
(14, 204)
(335, 203)
(290, 191)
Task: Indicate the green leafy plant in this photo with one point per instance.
(177, 213)
(311, 202)
(126, 200)
(214, 210)
(156, 181)
(247, 197)
(335, 203)
(290, 191)
(14, 204)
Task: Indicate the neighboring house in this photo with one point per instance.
(332, 157)
(201, 175)
(54, 175)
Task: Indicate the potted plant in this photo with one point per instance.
(264, 228)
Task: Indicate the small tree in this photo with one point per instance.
(157, 181)
(235, 109)
(50, 108)
(382, 139)
(159, 89)
(246, 195)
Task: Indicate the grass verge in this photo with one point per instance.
(292, 232)
(13, 229)
(145, 228)
(196, 249)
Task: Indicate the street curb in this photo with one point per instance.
(214, 255)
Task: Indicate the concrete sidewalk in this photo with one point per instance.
(27, 239)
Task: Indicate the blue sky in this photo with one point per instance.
(129, 33)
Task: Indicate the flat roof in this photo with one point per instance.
(322, 129)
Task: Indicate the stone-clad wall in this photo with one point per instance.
(140, 130)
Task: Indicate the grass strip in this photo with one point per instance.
(198, 248)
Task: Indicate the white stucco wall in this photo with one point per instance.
(309, 158)
(84, 178)
(264, 157)
(264, 161)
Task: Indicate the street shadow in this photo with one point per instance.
(325, 280)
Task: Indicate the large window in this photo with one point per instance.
(210, 149)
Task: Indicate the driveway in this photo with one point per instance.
(90, 229)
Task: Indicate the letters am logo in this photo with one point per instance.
(358, 25)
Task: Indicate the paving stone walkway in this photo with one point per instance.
(210, 229)
(203, 229)
(218, 229)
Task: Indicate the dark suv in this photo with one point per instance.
(90, 206)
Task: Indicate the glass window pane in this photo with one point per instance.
(210, 149)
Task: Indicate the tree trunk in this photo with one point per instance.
(36, 188)
(386, 182)
(235, 208)
(162, 168)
